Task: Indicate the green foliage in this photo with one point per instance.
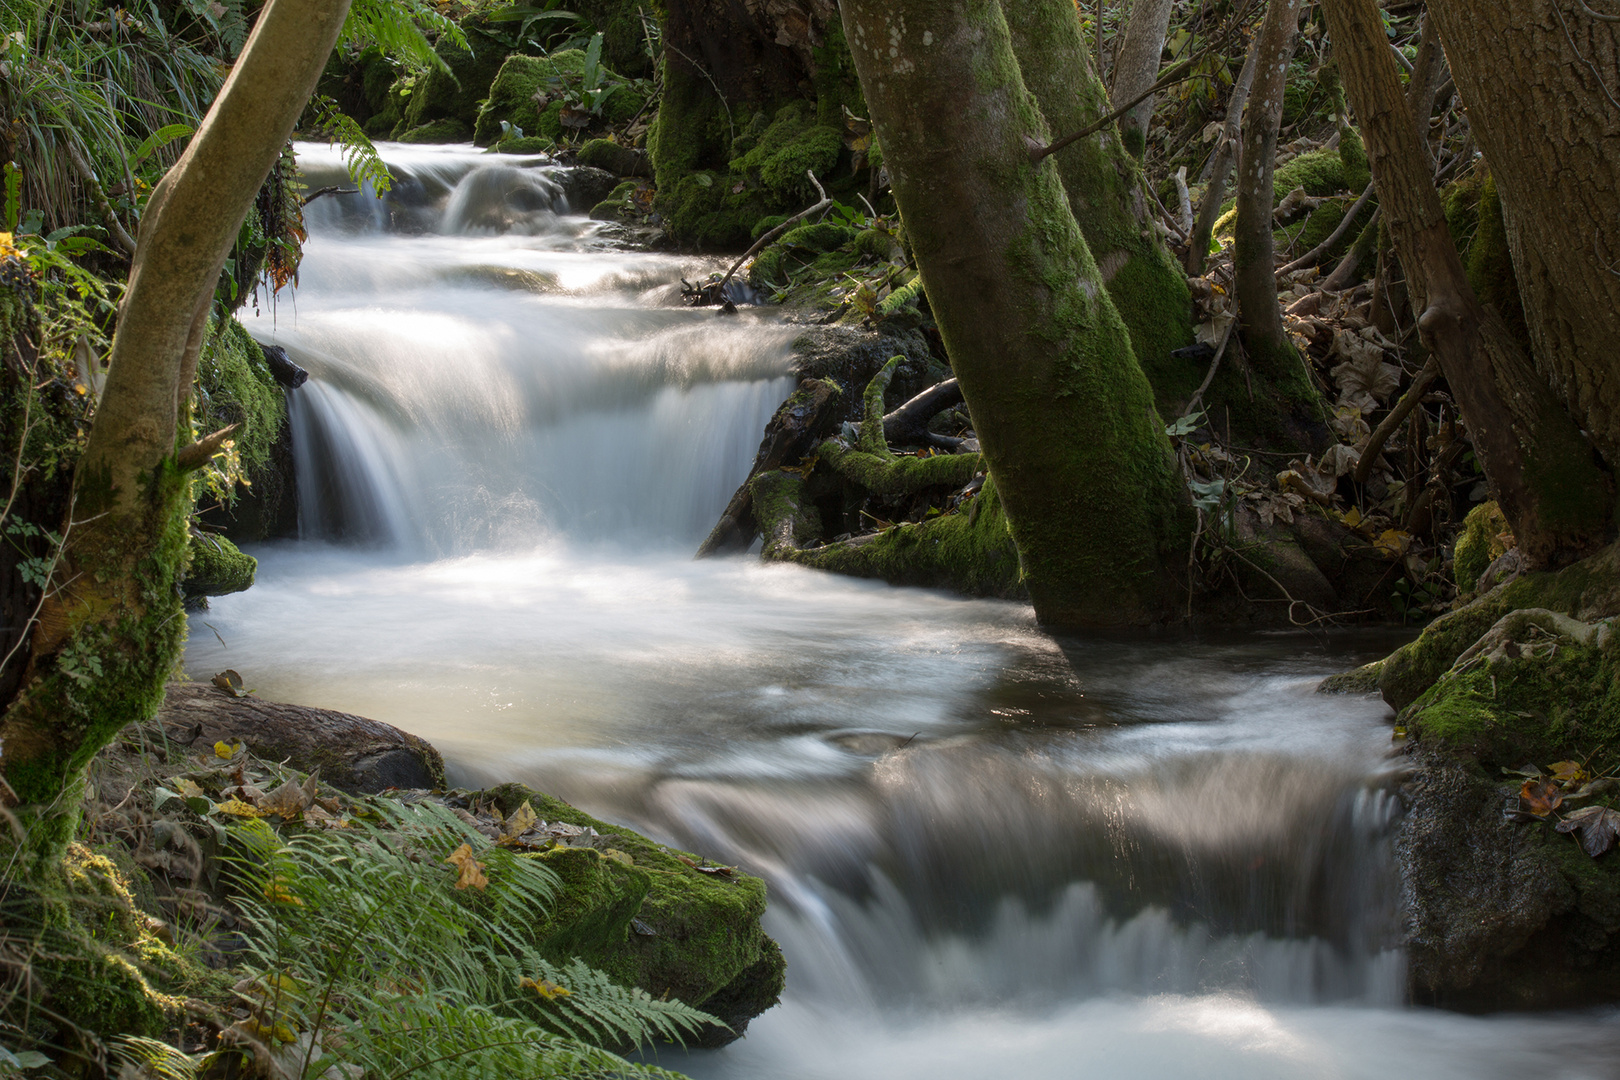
(404, 30)
(790, 147)
(373, 947)
(366, 167)
(1481, 541)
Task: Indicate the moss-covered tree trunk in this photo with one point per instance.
(1541, 79)
(1065, 416)
(1254, 256)
(1541, 467)
(111, 627)
(1107, 193)
(1220, 166)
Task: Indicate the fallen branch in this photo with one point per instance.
(908, 425)
(1397, 416)
(759, 244)
(201, 452)
(1320, 251)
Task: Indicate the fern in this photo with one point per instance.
(366, 167)
(404, 30)
(360, 940)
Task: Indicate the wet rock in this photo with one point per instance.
(352, 753)
(618, 160)
(586, 186)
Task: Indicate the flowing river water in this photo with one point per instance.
(991, 852)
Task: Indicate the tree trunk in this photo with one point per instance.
(1541, 468)
(1254, 257)
(1137, 68)
(1541, 80)
(1107, 194)
(112, 625)
(1065, 416)
(1221, 165)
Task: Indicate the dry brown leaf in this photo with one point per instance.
(470, 872)
(1599, 827)
(1540, 797)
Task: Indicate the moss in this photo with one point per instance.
(609, 156)
(1406, 673)
(592, 917)
(455, 94)
(705, 936)
(793, 144)
(1490, 264)
(526, 144)
(823, 236)
(1460, 200)
(1157, 310)
(1530, 708)
(1362, 680)
(1483, 539)
(1353, 156)
(512, 96)
(236, 387)
(765, 225)
(217, 568)
(619, 205)
(703, 213)
(1320, 173)
(447, 130)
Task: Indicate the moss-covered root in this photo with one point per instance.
(658, 922)
(969, 550)
(1485, 538)
(217, 568)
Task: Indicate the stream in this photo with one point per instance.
(991, 851)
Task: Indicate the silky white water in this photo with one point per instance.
(991, 852)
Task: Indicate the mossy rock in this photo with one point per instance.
(1537, 687)
(1485, 537)
(701, 212)
(525, 144)
(217, 568)
(658, 922)
(1319, 172)
(791, 147)
(457, 93)
(620, 204)
(513, 97)
(447, 130)
(823, 236)
(619, 160)
(237, 388)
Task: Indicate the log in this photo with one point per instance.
(352, 752)
(908, 425)
(282, 369)
(807, 416)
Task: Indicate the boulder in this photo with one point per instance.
(351, 752)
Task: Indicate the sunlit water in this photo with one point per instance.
(991, 852)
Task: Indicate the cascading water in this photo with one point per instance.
(990, 852)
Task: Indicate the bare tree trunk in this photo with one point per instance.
(1107, 193)
(1064, 414)
(1254, 257)
(1137, 68)
(1541, 80)
(1540, 466)
(1209, 210)
(111, 625)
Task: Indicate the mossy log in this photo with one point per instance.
(806, 416)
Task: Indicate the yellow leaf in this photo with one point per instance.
(545, 988)
(188, 789)
(522, 820)
(470, 872)
(276, 892)
(1567, 771)
(1392, 542)
(1352, 517)
(227, 750)
(238, 808)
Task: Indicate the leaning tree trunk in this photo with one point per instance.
(111, 626)
(1063, 412)
(1107, 194)
(1539, 465)
(1254, 256)
(1541, 80)
(1137, 68)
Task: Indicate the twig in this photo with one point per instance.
(1397, 416)
(1597, 14)
(1319, 252)
(332, 189)
(778, 231)
(1214, 366)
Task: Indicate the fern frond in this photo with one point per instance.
(404, 30)
(366, 167)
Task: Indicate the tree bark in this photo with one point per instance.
(1137, 68)
(1254, 256)
(1209, 210)
(1541, 81)
(111, 625)
(1063, 412)
(1540, 467)
(1107, 193)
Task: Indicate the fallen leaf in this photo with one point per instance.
(1567, 772)
(618, 856)
(291, 799)
(1540, 797)
(470, 872)
(230, 682)
(545, 988)
(522, 820)
(228, 750)
(1598, 825)
(238, 808)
